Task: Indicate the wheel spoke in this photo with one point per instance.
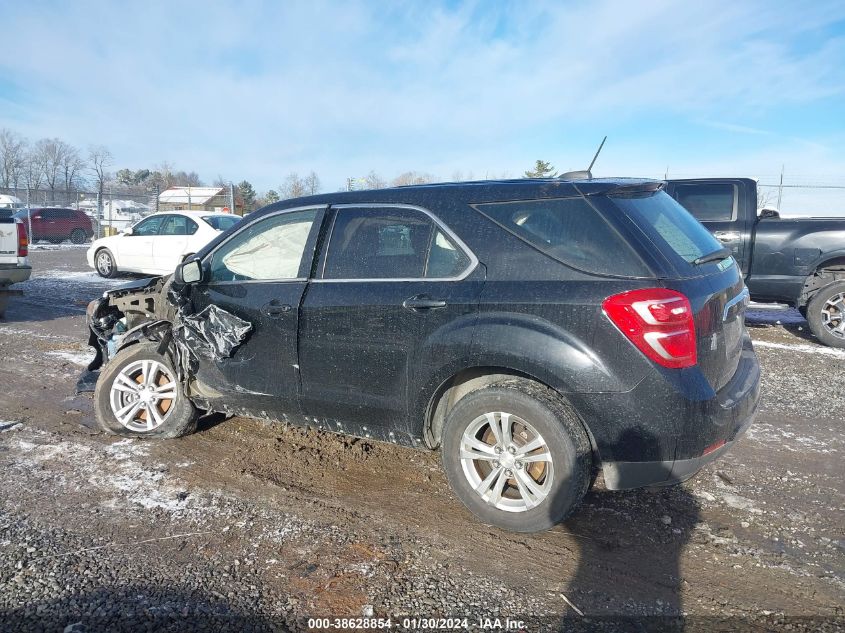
(485, 456)
(494, 426)
(533, 445)
(545, 456)
(479, 446)
(153, 409)
(505, 422)
(488, 481)
(528, 488)
(496, 493)
(124, 383)
(127, 413)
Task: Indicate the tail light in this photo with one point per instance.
(659, 322)
(23, 241)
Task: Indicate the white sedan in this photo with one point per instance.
(158, 243)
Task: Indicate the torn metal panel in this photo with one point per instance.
(213, 333)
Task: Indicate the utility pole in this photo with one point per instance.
(232, 198)
(780, 187)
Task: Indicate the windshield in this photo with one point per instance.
(222, 222)
(667, 223)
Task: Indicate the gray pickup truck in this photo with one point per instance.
(14, 263)
(796, 261)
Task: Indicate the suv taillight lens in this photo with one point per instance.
(658, 321)
(23, 241)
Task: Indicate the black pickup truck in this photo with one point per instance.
(797, 261)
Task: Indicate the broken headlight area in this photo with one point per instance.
(152, 310)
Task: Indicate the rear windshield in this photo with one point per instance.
(669, 224)
(222, 222)
(571, 231)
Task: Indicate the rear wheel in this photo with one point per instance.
(516, 455)
(139, 395)
(826, 314)
(104, 263)
(78, 236)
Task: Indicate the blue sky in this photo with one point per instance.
(257, 90)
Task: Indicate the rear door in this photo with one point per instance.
(259, 274)
(8, 242)
(717, 205)
(390, 276)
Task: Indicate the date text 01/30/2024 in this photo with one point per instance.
(416, 623)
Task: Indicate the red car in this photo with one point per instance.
(57, 225)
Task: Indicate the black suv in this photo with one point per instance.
(536, 331)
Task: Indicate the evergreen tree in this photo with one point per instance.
(247, 193)
(542, 169)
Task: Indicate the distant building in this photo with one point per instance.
(199, 199)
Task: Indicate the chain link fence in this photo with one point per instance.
(109, 212)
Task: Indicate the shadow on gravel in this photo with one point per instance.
(628, 575)
(139, 608)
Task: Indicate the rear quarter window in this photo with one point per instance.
(669, 225)
(571, 231)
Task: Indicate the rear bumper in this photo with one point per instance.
(671, 431)
(14, 274)
(627, 475)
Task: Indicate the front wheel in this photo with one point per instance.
(517, 456)
(138, 395)
(104, 263)
(826, 314)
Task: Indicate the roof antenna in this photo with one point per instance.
(586, 174)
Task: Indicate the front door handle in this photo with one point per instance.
(274, 309)
(726, 236)
(422, 302)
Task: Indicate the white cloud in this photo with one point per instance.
(259, 90)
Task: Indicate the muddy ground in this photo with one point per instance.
(251, 526)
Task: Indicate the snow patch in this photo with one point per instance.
(77, 358)
(803, 348)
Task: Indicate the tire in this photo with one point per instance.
(78, 236)
(531, 409)
(826, 314)
(161, 418)
(104, 263)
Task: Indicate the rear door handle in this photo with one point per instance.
(274, 309)
(726, 236)
(423, 302)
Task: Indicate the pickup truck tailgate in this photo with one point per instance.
(8, 241)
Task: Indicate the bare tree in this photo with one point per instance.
(99, 160)
(72, 166)
(12, 157)
(412, 178)
(49, 155)
(374, 181)
(312, 183)
(33, 175)
(293, 187)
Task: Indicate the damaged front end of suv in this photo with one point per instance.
(156, 311)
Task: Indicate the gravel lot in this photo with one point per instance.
(251, 526)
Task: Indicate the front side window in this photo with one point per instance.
(270, 249)
(391, 244)
(569, 230)
(707, 202)
(150, 226)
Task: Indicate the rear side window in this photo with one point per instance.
(221, 222)
(669, 224)
(571, 231)
(391, 244)
(707, 202)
